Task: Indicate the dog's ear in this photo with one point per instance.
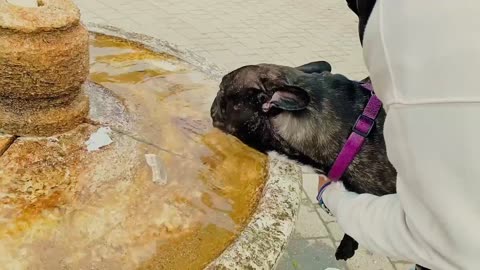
(288, 98)
(315, 67)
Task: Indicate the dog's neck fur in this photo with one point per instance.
(319, 131)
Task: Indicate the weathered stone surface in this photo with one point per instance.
(5, 142)
(44, 64)
(50, 15)
(31, 121)
(44, 61)
(48, 188)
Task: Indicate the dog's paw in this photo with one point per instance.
(346, 250)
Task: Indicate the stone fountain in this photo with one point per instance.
(45, 63)
(108, 159)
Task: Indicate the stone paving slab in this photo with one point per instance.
(365, 258)
(239, 32)
(308, 224)
(335, 231)
(310, 184)
(309, 254)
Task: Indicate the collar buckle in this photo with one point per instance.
(364, 125)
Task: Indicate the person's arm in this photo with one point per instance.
(434, 218)
(380, 225)
(423, 59)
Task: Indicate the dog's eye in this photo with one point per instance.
(262, 98)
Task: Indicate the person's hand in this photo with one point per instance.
(322, 180)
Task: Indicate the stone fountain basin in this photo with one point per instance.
(264, 229)
(264, 238)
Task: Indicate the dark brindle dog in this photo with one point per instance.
(307, 114)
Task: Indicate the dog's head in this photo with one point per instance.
(305, 113)
(266, 105)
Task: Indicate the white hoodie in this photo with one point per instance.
(424, 62)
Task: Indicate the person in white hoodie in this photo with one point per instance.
(424, 63)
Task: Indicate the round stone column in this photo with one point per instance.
(44, 62)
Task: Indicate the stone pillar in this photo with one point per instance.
(44, 62)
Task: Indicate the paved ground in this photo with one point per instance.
(237, 32)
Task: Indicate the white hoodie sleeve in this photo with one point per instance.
(424, 59)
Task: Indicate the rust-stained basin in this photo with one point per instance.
(146, 182)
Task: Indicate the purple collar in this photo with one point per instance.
(361, 130)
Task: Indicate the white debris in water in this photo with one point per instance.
(99, 139)
(332, 268)
(159, 174)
